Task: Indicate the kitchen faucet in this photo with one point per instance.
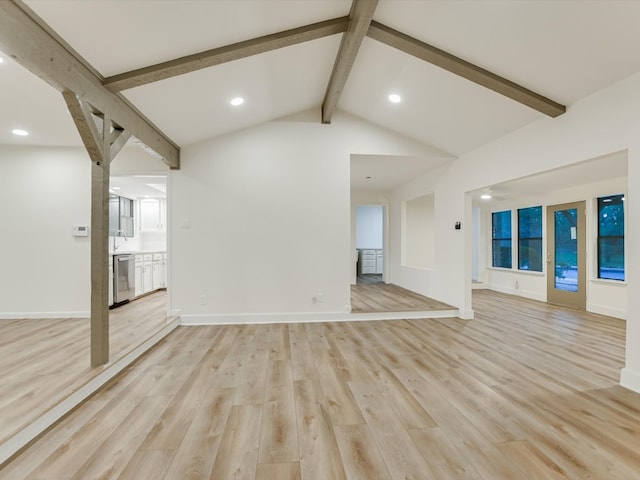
(115, 234)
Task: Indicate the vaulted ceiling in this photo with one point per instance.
(561, 50)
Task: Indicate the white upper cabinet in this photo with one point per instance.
(153, 214)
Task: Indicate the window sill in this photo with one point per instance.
(612, 283)
(518, 272)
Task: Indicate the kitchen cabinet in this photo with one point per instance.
(147, 272)
(139, 270)
(379, 261)
(150, 270)
(366, 261)
(153, 214)
(158, 271)
(370, 261)
(110, 280)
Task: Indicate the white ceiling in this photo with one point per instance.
(561, 49)
(588, 172)
(385, 172)
(139, 186)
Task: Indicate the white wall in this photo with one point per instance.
(45, 270)
(369, 225)
(261, 220)
(421, 280)
(418, 233)
(606, 122)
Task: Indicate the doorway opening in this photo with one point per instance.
(370, 220)
(138, 234)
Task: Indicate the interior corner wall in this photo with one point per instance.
(45, 270)
(605, 122)
(261, 225)
(420, 280)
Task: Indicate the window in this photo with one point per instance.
(611, 237)
(120, 215)
(501, 238)
(530, 239)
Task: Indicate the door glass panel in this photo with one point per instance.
(566, 249)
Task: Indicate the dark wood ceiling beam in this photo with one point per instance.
(467, 70)
(23, 38)
(359, 20)
(228, 53)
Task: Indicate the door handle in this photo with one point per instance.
(548, 258)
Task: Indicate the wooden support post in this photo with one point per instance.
(100, 262)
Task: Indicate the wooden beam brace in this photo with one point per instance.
(119, 138)
(467, 70)
(360, 18)
(82, 116)
(228, 53)
(24, 39)
(103, 144)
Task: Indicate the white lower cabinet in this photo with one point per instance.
(157, 272)
(150, 272)
(139, 275)
(370, 261)
(110, 280)
(147, 273)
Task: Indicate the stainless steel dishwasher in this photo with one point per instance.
(124, 279)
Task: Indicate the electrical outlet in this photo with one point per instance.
(517, 285)
(203, 299)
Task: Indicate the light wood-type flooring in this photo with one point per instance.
(43, 361)
(386, 297)
(523, 391)
(369, 278)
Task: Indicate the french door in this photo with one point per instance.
(566, 255)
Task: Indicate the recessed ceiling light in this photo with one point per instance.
(115, 188)
(237, 101)
(1, 60)
(19, 132)
(485, 196)
(395, 98)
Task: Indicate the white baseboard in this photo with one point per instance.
(255, 318)
(605, 310)
(466, 314)
(519, 292)
(22, 438)
(37, 315)
(630, 379)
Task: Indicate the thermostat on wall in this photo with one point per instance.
(80, 231)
